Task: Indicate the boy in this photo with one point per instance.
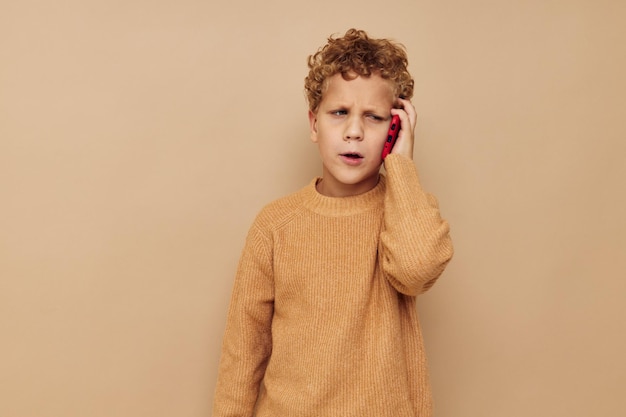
(322, 320)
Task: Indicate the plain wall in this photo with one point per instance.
(138, 140)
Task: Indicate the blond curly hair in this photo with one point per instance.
(356, 54)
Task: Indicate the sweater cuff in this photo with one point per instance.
(402, 172)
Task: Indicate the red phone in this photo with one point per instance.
(392, 135)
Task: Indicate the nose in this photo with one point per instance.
(354, 129)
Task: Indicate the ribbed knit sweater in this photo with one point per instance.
(322, 320)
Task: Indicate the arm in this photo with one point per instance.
(247, 340)
(415, 240)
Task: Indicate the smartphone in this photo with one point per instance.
(392, 135)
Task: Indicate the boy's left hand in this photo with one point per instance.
(406, 136)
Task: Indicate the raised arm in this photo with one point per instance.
(415, 240)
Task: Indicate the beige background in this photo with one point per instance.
(138, 139)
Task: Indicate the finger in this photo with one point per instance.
(409, 109)
(407, 115)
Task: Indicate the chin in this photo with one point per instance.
(362, 180)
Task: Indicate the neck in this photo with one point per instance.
(338, 190)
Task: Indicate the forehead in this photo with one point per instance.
(368, 91)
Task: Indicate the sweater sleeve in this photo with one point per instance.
(415, 240)
(247, 340)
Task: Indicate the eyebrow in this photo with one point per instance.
(367, 109)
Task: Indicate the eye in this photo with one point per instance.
(340, 112)
(375, 117)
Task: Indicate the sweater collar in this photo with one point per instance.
(343, 206)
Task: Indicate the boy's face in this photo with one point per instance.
(350, 128)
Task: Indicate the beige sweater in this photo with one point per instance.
(322, 320)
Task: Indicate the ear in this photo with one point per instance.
(313, 126)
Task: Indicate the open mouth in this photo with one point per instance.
(352, 155)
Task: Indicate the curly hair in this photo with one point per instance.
(356, 54)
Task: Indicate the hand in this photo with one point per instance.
(406, 136)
